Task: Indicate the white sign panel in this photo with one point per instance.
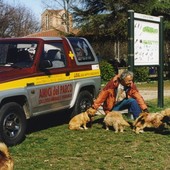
(146, 43)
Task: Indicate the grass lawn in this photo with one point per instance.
(50, 145)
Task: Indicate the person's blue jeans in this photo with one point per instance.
(130, 104)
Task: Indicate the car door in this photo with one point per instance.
(54, 88)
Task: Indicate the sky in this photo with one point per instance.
(35, 6)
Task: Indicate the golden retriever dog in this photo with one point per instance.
(79, 121)
(116, 120)
(6, 162)
(166, 112)
(149, 120)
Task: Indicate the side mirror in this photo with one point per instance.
(45, 64)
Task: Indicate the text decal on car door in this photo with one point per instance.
(55, 93)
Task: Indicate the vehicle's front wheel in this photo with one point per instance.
(84, 101)
(12, 123)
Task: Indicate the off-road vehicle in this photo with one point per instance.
(43, 75)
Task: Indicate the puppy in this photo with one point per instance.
(116, 120)
(6, 162)
(82, 119)
(148, 120)
(120, 93)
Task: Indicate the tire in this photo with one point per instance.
(84, 101)
(12, 124)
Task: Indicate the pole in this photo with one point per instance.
(161, 66)
(131, 40)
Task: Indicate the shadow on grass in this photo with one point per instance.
(163, 131)
(46, 121)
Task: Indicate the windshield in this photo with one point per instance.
(17, 54)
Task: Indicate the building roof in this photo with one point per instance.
(50, 33)
(47, 33)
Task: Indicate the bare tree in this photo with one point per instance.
(16, 21)
(24, 22)
(6, 13)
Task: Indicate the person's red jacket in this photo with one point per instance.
(107, 96)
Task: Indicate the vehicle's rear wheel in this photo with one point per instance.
(84, 101)
(12, 123)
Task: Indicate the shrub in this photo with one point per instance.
(107, 70)
(141, 74)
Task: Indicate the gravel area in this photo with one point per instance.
(152, 94)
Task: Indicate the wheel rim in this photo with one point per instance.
(11, 125)
(84, 104)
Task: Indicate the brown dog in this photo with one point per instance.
(6, 162)
(154, 120)
(82, 119)
(116, 120)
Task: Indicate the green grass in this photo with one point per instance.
(50, 145)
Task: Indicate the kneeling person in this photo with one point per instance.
(121, 93)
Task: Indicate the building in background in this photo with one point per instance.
(55, 23)
(56, 19)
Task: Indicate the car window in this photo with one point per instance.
(82, 51)
(18, 54)
(54, 53)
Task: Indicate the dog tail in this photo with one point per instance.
(4, 150)
(125, 123)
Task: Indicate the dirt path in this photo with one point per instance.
(152, 94)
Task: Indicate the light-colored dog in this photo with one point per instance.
(120, 93)
(6, 162)
(166, 112)
(79, 121)
(116, 120)
(150, 120)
